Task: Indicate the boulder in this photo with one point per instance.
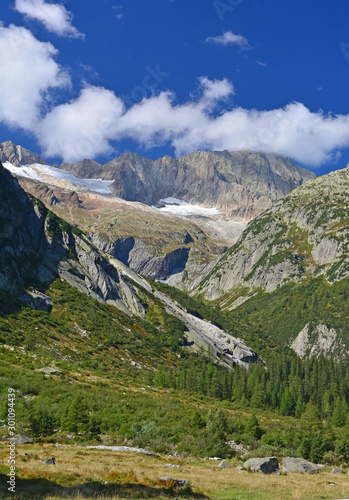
(291, 464)
(50, 461)
(49, 370)
(336, 470)
(224, 465)
(178, 482)
(267, 465)
(20, 439)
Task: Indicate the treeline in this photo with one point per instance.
(286, 386)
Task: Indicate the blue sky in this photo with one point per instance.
(95, 78)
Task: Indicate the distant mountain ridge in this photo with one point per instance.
(178, 249)
(241, 184)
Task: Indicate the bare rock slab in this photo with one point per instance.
(268, 465)
(20, 439)
(291, 464)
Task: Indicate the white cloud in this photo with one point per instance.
(55, 17)
(228, 38)
(92, 123)
(76, 130)
(28, 71)
(83, 127)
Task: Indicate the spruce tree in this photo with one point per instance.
(93, 428)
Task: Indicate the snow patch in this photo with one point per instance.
(33, 172)
(180, 207)
(23, 171)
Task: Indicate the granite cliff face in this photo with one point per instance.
(304, 234)
(241, 184)
(18, 155)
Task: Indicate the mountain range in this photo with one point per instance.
(245, 232)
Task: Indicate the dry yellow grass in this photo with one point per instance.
(88, 473)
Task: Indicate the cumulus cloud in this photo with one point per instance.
(87, 126)
(83, 127)
(55, 17)
(228, 38)
(28, 71)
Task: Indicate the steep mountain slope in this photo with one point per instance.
(241, 184)
(37, 247)
(303, 239)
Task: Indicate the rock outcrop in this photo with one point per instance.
(268, 465)
(18, 155)
(290, 464)
(36, 247)
(316, 340)
(201, 335)
(20, 439)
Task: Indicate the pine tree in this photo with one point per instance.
(75, 416)
(253, 427)
(286, 405)
(93, 428)
(310, 421)
(300, 405)
(339, 412)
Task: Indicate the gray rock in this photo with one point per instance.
(267, 465)
(125, 448)
(336, 470)
(20, 439)
(49, 370)
(178, 482)
(291, 464)
(50, 461)
(224, 465)
(17, 155)
(240, 467)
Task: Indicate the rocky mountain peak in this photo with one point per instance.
(17, 155)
